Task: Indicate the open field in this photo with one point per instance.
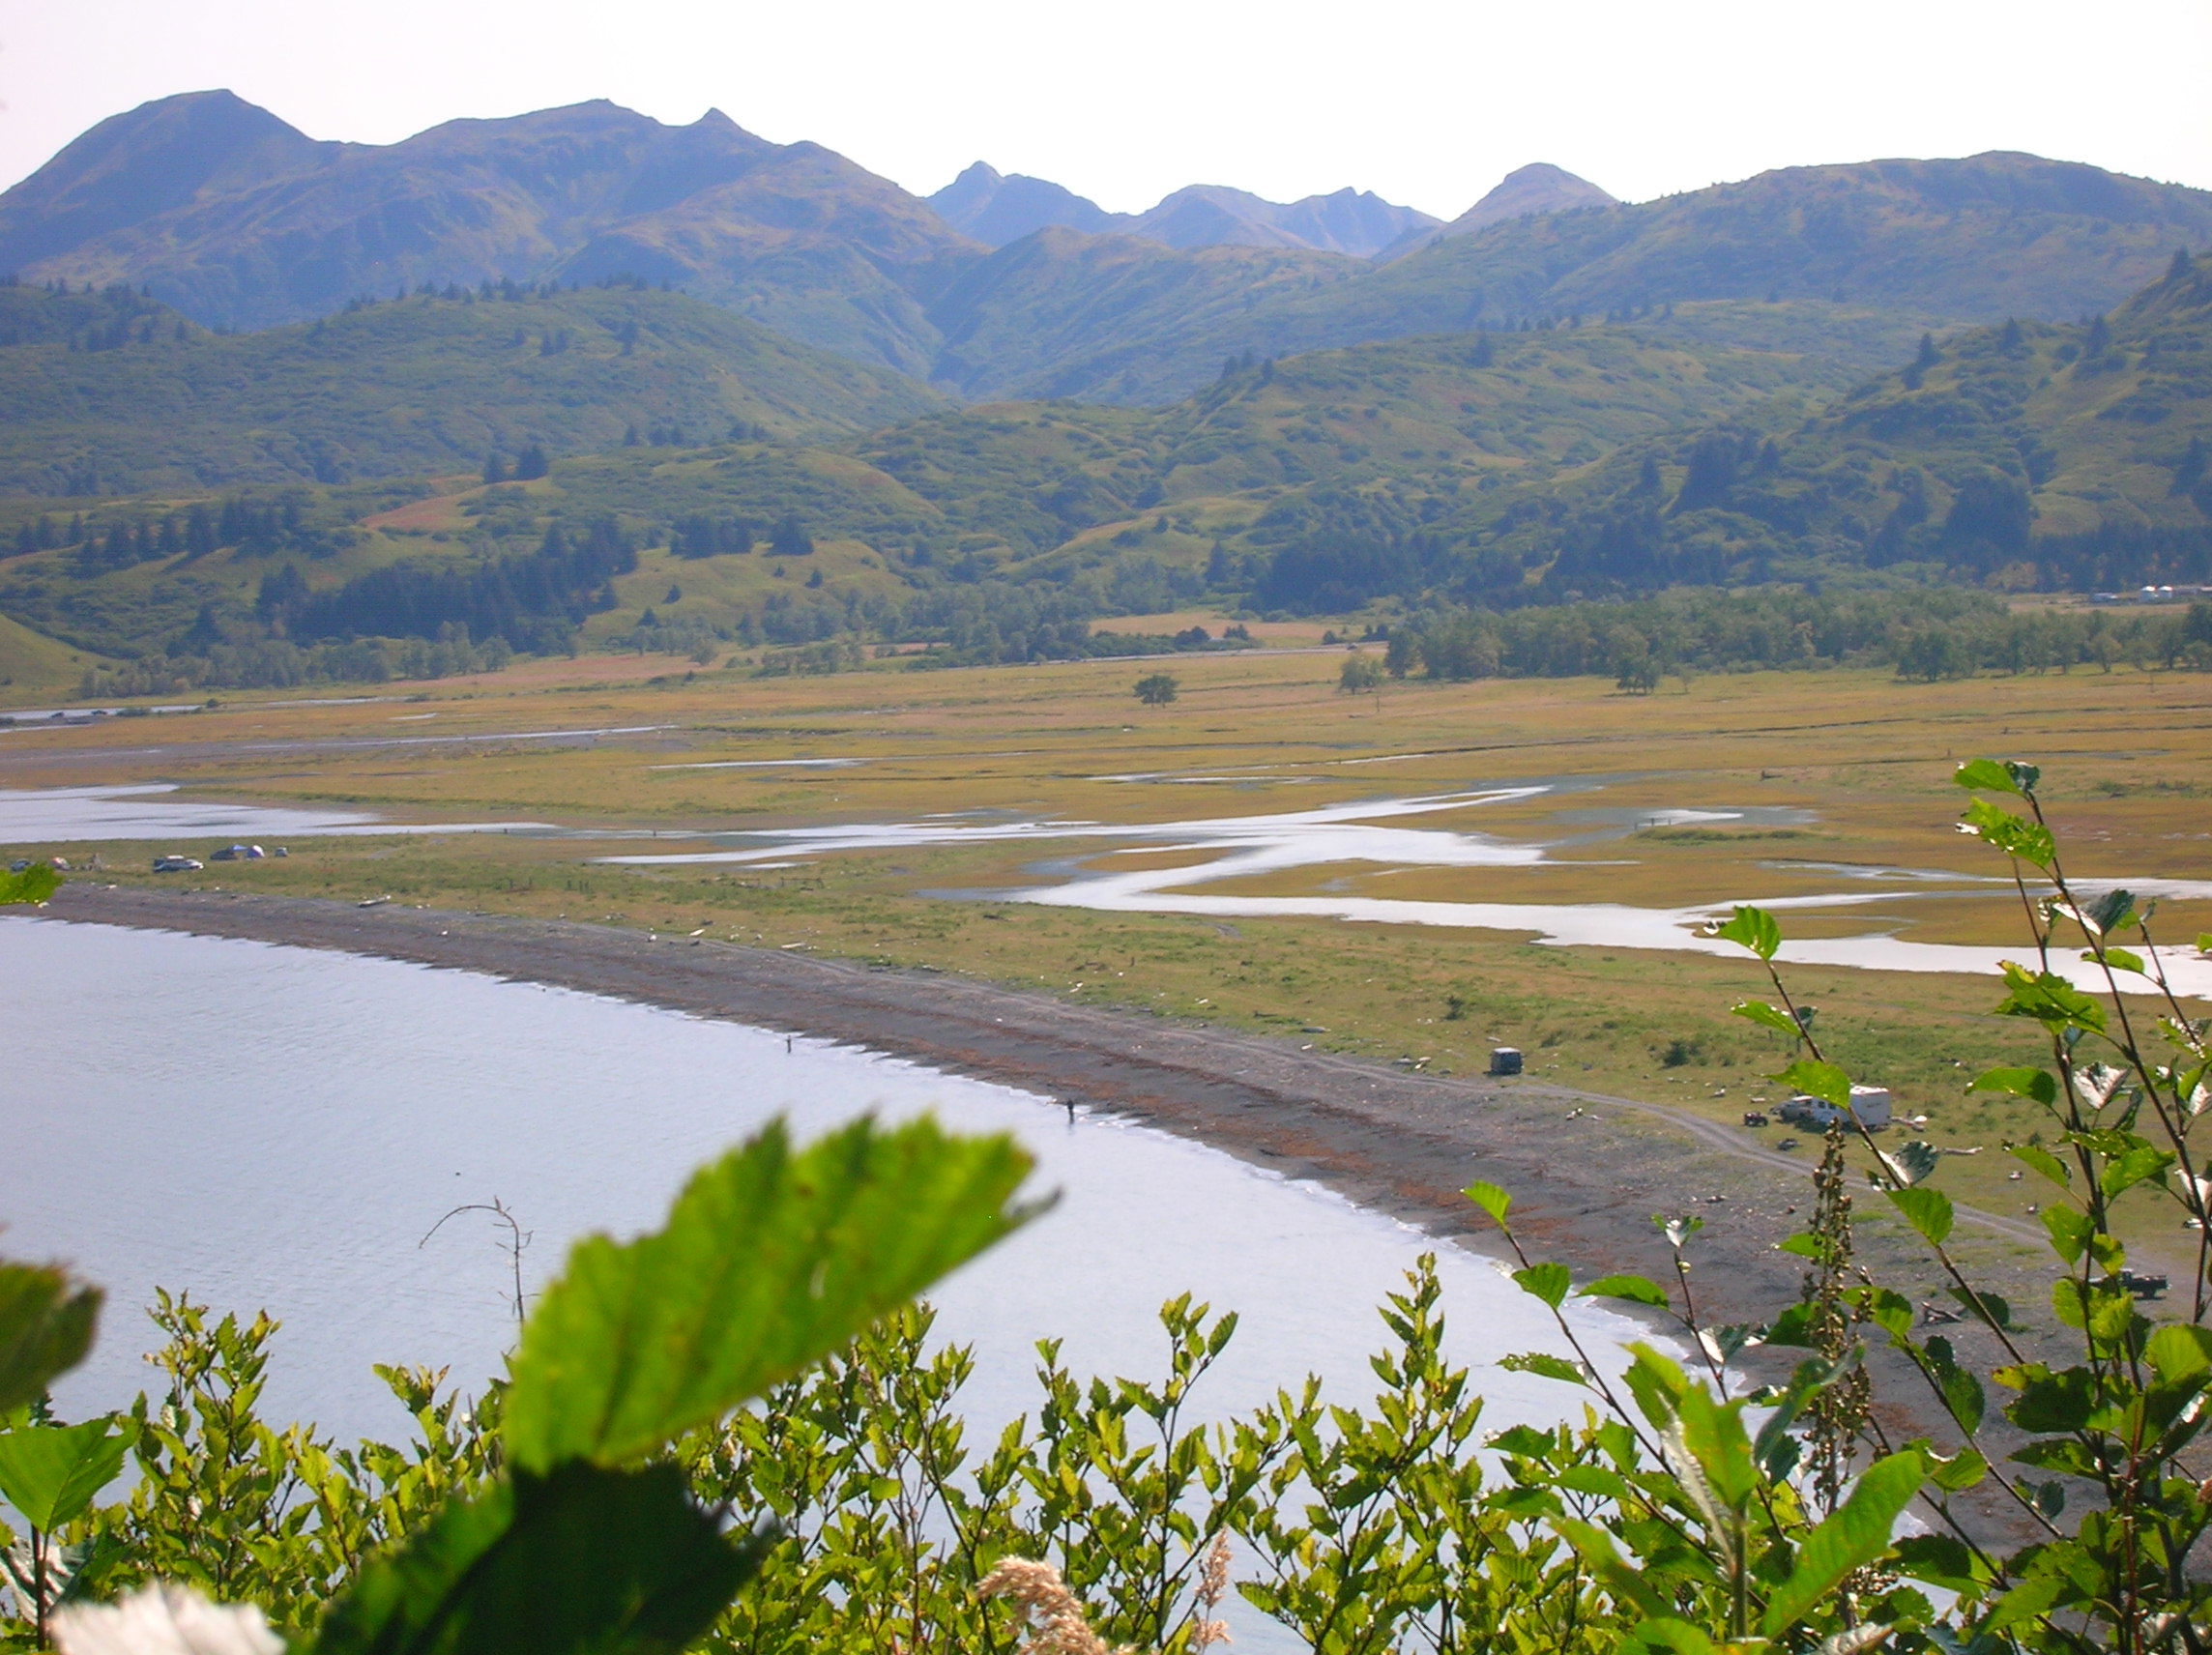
(1831, 776)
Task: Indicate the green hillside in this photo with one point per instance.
(2027, 456)
(1431, 417)
(428, 383)
(1061, 314)
(36, 667)
(1968, 241)
(1505, 469)
(1053, 495)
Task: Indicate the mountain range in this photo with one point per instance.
(252, 382)
(1014, 287)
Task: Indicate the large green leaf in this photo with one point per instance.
(770, 1260)
(47, 1323)
(1637, 1290)
(1855, 1534)
(1752, 928)
(1986, 774)
(587, 1562)
(50, 1472)
(2015, 835)
(35, 884)
(1548, 1282)
(1491, 1199)
(1816, 1079)
(1927, 1210)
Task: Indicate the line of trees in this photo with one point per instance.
(255, 525)
(1925, 635)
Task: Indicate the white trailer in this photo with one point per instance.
(1871, 1105)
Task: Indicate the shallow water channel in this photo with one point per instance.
(1387, 833)
(277, 1127)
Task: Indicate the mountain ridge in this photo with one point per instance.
(999, 209)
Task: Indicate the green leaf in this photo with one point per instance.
(1525, 1441)
(2033, 1596)
(1624, 1581)
(1854, 1535)
(2070, 1231)
(1941, 1560)
(2050, 999)
(1985, 775)
(1807, 1246)
(2119, 959)
(1491, 1199)
(2043, 1161)
(1544, 1366)
(1772, 1016)
(2133, 1169)
(1754, 928)
(1962, 1471)
(1986, 1307)
(1816, 1079)
(1927, 1210)
(1637, 1290)
(2180, 1352)
(2036, 1083)
(50, 1472)
(2055, 1401)
(1713, 1432)
(770, 1261)
(585, 1560)
(1668, 1634)
(2014, 835)
(47, 1324)
(1961, 1391)
(35, 884)
(1546, 1282)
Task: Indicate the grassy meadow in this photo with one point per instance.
(1863, 759)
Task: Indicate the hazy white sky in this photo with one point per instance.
(1426, 101)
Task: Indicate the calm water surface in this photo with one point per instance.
(279, 1128)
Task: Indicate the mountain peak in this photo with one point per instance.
(1538, 188)
(146, 160)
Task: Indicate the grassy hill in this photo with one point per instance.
(1431, 417)
(1505, 469)
(35, 666)
(2027, 456)
(1098, 507)
(424, 385)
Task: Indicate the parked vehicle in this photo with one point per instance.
(1753, 1117)
(176, 865)
(239, 853)
(1872, 1106)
